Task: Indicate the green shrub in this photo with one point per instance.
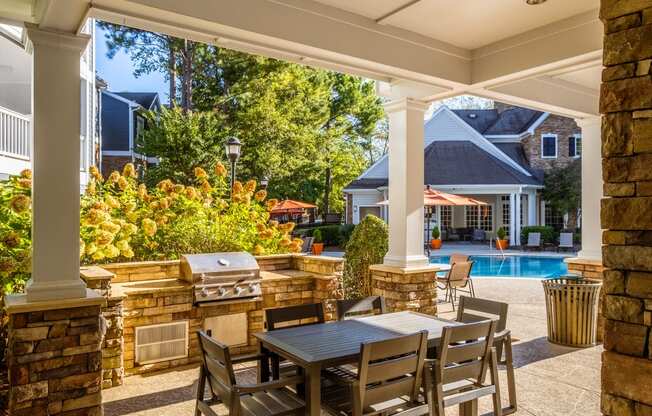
(548, 234)
(435, 233)
(316, 234)
(368, 245)
(501, 233)
(345, 233)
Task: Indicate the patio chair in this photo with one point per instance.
(389, 379)
(458, 258)
(533, 241)
(458, 278)
(565, 241)
(456, 376)
(478, 235)
(289, 317)
(358, 307)
(262, 399)
(307, 244)
(475, 310)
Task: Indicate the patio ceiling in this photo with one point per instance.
(546, 56)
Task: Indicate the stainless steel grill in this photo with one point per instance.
(222, 276)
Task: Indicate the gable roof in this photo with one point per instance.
(513, 121)
(144, 99)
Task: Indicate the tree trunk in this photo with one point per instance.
(172, 68)
(327, 191)
(186, 80)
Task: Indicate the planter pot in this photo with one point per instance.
(502, 244)
(317, 248)
(435, 243)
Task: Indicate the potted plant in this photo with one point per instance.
(435, 242)
(318, 242)
(501, 242)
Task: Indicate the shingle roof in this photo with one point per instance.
(145, 99)
(464, 163)
(515, 120)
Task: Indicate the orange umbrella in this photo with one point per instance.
(432, 197)
(290, 205)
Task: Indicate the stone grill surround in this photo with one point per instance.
(626, 103)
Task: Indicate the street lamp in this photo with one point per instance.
(264, 182)
(232, 148)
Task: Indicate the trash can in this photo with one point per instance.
(572, 310)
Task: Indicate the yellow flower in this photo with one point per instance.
(285, 241)
(200, 173)
(130, 206)
(96, 216)
(100, 206)
(20, 203)
(191, 192)
(296, 248)
(11, 239)
(162, 220)
(112, 202)
(82, 247)
(111, 251)
(129, 170)
(206, 187)
(142, 191)
(260, 227)
(250, 186)
(26, 174)
(236, 198)
(95, 173)
(273, 223)
(128, 253)
(165, 185)
(261, 195)
(164, 203)
(98, 255)
(25, 183)
(110, 227)
(130, 229)
(91, 248)
(237, 187)
(178, 188)
(297, 241)
(259, 250)
(103, 238)
(287, 227)
(91, 189)
(271, 203)
(123, 183)
(122, 245)
(114, 177)
(149, 227)
(264, 235)
(220, 170)
(6, 264)
(132, 216)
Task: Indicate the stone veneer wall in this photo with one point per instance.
(626, 103)
(55, 362)
(415, 290)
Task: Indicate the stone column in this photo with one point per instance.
(56, 122)
(406, 183)
(626, 215)
(591, 189)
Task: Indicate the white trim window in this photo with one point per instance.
(549, 146)
(575, 145)
(479, 217)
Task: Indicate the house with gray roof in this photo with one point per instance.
(496, 155)
(122, 123)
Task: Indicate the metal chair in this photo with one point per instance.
(456, 376)
(358, 307)
(475, 310)
(458, 278)
(565, 241)
(389, 379)
(307, 244)
(533, 241)
(262, 399)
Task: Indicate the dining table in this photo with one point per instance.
(318, 346)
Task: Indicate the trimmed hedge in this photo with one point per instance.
(332, 235)
(548, 234)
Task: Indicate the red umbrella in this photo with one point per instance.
(432, 197)
(291, 206)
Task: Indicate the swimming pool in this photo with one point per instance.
(522, 267)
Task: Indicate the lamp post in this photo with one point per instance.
(264, 182)
(232, 148)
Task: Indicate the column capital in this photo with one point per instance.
(588, 122)
(44, 37)
(403, 104)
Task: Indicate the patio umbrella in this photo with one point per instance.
(290, 205)
(432, 198)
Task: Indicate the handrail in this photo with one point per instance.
(15, 134)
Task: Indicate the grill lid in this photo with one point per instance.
(217, 264)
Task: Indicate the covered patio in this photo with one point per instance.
(546, 56)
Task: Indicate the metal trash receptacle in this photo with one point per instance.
(572, 310)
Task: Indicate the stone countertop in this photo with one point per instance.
(150, 286)
(287, 274)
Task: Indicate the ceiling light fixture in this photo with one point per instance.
(534, 2)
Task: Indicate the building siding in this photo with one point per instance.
(115, 124)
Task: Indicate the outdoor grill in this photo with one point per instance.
(222, 276)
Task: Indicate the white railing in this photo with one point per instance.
(15, 133)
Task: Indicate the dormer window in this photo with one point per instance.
(549, 146)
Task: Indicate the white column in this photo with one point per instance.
(592, 190)
(513, 218)
(56, 123)
(406, 143)
(517, 217)
(532, 208)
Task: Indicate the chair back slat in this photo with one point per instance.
(465, 350)
(364, 306)
(458, 258)
(390, 368)
(218, 367)
(534, 239)
(459, 273)
(566, 239)
(476, 309)
(292, 316)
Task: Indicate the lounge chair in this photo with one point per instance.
(533, 241)
(565, 241)
(307, 244)
(458, 278)
(479, 235)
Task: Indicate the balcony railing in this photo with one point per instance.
(14, 134)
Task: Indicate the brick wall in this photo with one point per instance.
(564, 128)
(626, 103)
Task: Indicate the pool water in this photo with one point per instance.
(524, 267)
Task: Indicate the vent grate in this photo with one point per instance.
(163, 342)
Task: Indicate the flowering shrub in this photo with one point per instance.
(122, 220)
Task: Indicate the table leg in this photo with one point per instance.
(469, 408)
(313, 390)
(263, 365)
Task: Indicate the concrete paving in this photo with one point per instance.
(551, 380)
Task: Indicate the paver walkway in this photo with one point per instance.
(551, 380)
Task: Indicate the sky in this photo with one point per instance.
(118, 72)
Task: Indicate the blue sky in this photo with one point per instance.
(118, 72)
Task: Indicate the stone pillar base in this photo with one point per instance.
(54, 356)
(590, 269)
(406, 289)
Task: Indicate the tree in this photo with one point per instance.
(563, 190)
